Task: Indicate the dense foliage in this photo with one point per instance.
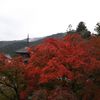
(58, 69)
(97, 28)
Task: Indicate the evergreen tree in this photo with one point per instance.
(81, 27)
(97, 28)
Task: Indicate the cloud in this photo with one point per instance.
(8, 27)
(44, 17)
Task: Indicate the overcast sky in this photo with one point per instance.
(45, 17)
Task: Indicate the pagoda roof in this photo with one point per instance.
(22, 50)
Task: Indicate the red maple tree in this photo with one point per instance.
(58, 69)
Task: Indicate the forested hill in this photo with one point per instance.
(10, 47)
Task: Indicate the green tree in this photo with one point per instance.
(70, 30)
(81, 27)
(97, 28)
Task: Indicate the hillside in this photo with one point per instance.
(10, 47)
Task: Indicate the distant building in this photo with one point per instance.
(24, 51)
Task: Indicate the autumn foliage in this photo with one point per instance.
(58, 69)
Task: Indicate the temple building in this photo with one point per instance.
(24, 51)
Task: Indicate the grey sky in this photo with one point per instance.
(44, 17)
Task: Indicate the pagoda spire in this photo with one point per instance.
(27, 40)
